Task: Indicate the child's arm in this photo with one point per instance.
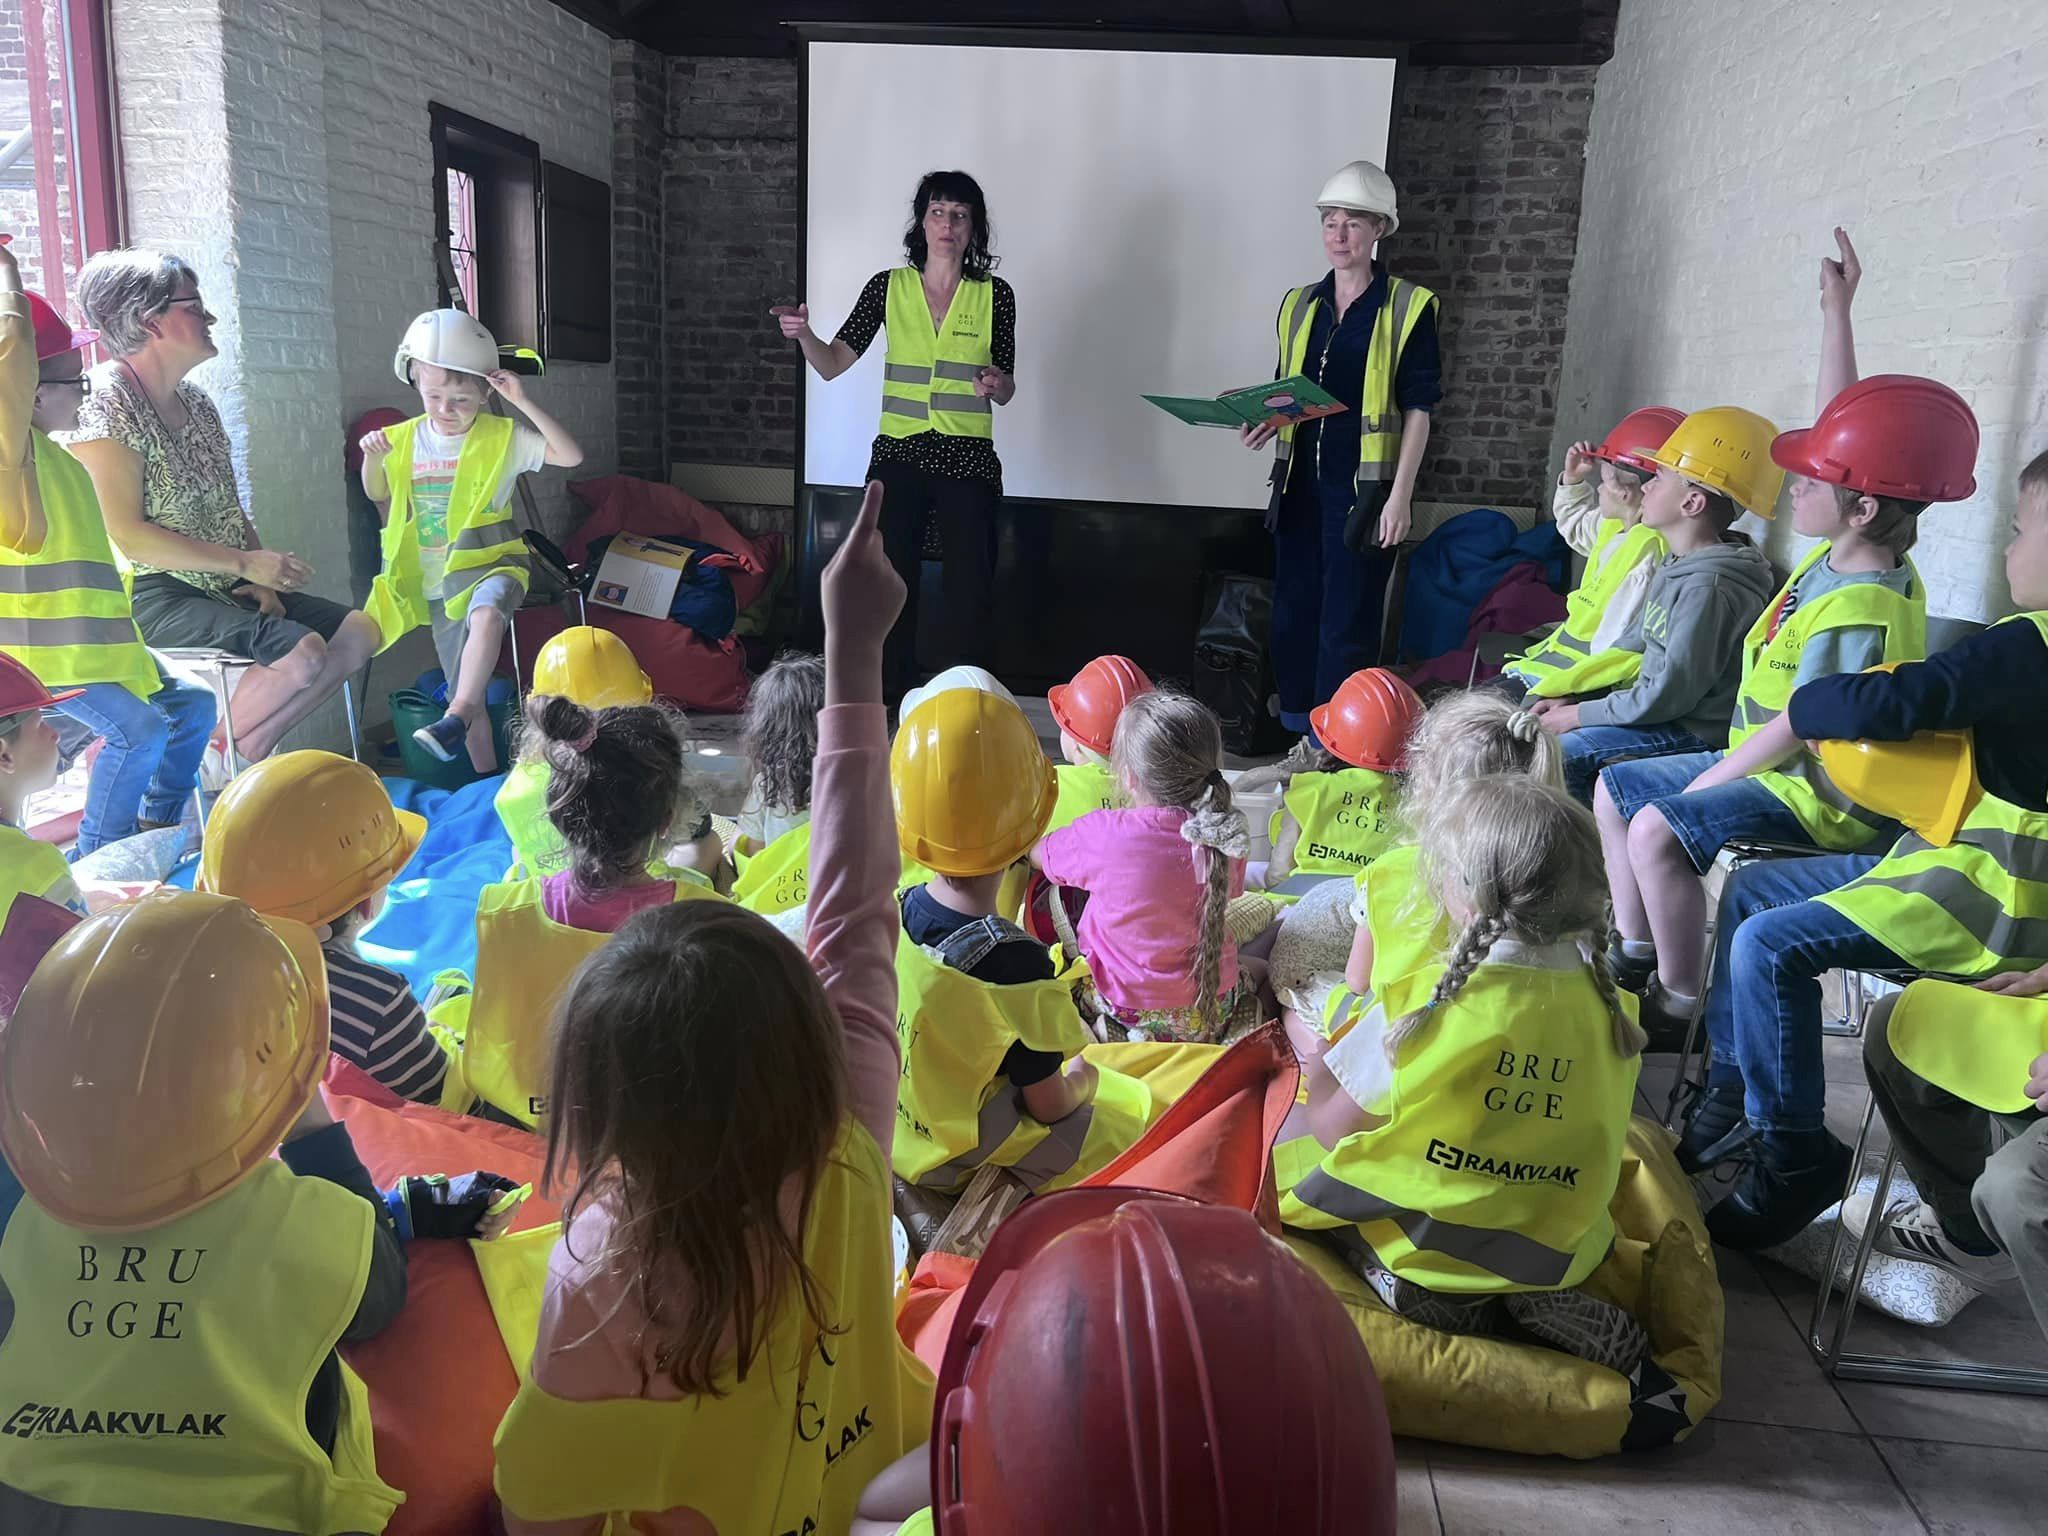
(1770, 746)
(1358, 969)
(1838, 280)
(1332, 1113)
(23, 526)
(855, 863)
(564, 452)
(1281, 864)
(896, 1493)
(1575, 503)
(318, 1147)
(1967, 685)
(1054, 1098)
(376, 447)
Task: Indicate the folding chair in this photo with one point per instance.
(221, 670)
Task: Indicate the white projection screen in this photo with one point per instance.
(1150, 209)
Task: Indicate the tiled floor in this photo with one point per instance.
(1788, 1449)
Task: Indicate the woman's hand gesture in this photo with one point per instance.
(795, 320)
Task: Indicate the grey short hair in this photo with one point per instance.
(119, 290)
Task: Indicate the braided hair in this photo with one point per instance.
(1517, 859)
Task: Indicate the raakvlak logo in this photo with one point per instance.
(45, 1421)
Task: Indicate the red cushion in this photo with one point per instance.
(684, 667)
(622, 504)
(439, 1378)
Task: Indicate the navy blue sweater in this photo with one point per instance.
(1991, 683)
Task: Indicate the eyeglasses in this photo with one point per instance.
(83, 384)
(190, 298)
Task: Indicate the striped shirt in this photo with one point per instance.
(380, 1026)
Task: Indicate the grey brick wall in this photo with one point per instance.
(1489, 164)
(639, 136)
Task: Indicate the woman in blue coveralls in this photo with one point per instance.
(1342, 485)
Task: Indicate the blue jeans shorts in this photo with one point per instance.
(1703, 821)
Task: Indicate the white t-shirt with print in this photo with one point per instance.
(433, 478)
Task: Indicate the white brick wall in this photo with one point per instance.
(283, 148)
(1727, 141)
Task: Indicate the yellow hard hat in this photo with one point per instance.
(592, 666)
(1928, 782)
(1726, 449)
(306, 836)
(1976, 1045)
(972, 786)
(160, 1052)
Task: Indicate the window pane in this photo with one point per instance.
(39, 186)
(461, 234)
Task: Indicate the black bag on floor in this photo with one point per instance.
(1233, 671)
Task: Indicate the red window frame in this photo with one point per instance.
(95, 147)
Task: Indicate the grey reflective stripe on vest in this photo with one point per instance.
(1402, 298)
(2011, 938)
(1755, 716)
(1510, 1255)
(1301, 885)
(1283, 445)
(896, 405)
(905, 373)
(487, 535)
(16, 632)
(998, 1121)
(59, 576)
(966, 372)
(961, 405)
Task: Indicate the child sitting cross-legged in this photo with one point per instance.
(1523, 1056)
(1159, 876)
(717, 1348)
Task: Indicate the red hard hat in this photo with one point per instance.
(1137, 1363)
(21, 690)
(1370, 720)
(1086, 708)
(1637, 433)
(373, 420)
(1891, 434)
(54, 335)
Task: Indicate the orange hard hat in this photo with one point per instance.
(21, 690)
(307, 836)
(1891, 434)
(1140, 1363)
(1369, 721)
(1087, 708)
(1637, 434)
(159, 1054)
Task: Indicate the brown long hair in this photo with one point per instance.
(1170, 746)
(616, 782)
(780, 734)
(698, 1074)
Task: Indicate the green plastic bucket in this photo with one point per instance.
(412, 710)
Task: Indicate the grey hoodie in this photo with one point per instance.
(1697, 609)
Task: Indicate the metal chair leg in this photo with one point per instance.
(1836, 1360)
(348, 710)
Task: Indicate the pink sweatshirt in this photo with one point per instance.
(1142, 926)
(589, 1320)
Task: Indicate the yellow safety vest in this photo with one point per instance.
(524, 963)
(28, 868)
(778, 878)
(1977, 906)
(1770, 668)
(1379, 429)
(1564, 663)
(1494, 1172)
(786, 1450)
(483, 540)
(522, 806)
(64, 610)
(928, 379)
(1083, 788)
(165, 1371)
(955, 1112)
(1346, 816)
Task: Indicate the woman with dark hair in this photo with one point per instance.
(952, 328)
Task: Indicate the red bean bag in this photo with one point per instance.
(1214, 1143)
(438, 1377)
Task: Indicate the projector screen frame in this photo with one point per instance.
(973, 36)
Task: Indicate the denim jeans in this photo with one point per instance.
(1771, 946)
(150, 762)
(1593, 747)
(1327, 600)
(1704, 819)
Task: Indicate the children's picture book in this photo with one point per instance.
(1278, 404)
(639, 575)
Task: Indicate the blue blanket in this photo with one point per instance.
(428, 924)
(1451, 572)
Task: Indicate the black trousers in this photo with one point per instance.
(966, 514)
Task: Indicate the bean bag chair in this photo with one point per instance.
(1214, 1143)
(1516, 1396)
(439, 1377)
(683, 666)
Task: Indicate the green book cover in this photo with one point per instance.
(1293, 399)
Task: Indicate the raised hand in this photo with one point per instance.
(1579, 462)
(1838, 278)
(795, 320)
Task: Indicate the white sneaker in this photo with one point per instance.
(1912, 1231)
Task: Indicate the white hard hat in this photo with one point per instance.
(1363, 186)
(954, 677)
(447, 338)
